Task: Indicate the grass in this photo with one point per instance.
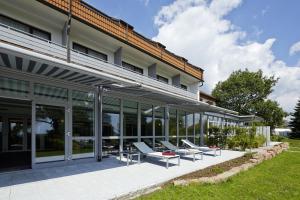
(278, 178)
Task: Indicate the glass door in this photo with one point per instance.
(50, 133)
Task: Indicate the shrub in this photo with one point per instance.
(277, 138)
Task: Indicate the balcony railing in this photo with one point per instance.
(39, 45)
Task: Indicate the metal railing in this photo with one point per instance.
(40, 45)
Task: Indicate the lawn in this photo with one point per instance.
(278, 178)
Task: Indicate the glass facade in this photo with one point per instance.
(159, 117)
(182, 123)
(146, 120)
(53, 123)
(50, 131)
(130, 116)
(111, 117)
(83, 123)
(190, 124)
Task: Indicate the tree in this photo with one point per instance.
(246, 92)
(271, 112)
(295, 122)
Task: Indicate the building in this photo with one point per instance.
(77, 85)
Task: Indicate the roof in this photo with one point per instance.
(207, 96)
(124, 32)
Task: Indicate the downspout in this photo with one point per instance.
(69, 31)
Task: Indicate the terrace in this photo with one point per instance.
(105, 180)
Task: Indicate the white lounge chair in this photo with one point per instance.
(146, 150)
(202, 148)
(183, 152)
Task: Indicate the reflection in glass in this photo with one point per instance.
(128, 144)
(83, 146)
(197, 124)
(173, 140)
(130, 118)
(111, 116)
(50, 92)
(110, 147)
(83, 113)
(15, 134)
(190, 123)
(172, 122)
(1, 133)
(146, 120)
(159, 118)
(148, 141)
(182, 123)
(50, 130)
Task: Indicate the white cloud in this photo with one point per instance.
(198, 30)
(295, 48)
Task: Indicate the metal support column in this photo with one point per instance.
(100, 125)
(202, 123)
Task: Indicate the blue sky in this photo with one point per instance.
(222, 36)
(261, 19)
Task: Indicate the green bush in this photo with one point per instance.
(245, 138)
(277, 138)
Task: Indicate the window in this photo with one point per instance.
(183, 87)
(91, 52)
(24, 27)
(130, 114)
(182, 123)
(111, 116)
(146, 120)
(132, 67)
(159, 121)
(162, 79)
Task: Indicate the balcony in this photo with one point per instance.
(33, 43)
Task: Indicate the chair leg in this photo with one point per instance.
(193, 157)
(178, 160)
(167, 163)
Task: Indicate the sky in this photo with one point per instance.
(221, 36)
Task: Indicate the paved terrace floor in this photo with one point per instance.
(98, 180)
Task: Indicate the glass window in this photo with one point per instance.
(132, 67)
(110, 147)
(183, 86)
(51, 92)
(14, 87)
(82, 146)
(50, 131)
(190, 123)
(130, 113)
(83, 113)
(111, 116)
(1, 132)
(24, 27)
(182, 123)
(159, 117)
(172, 122)
(148, 141)
(162, 79)
(91, 52)
(146, 120)
(128, 144)
(197, 124)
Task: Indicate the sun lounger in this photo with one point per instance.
(146, 150)
(182, 152)
(202, 148)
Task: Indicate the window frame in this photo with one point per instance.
(87, 49)
(30, 27)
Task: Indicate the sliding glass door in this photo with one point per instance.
(50, 133)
